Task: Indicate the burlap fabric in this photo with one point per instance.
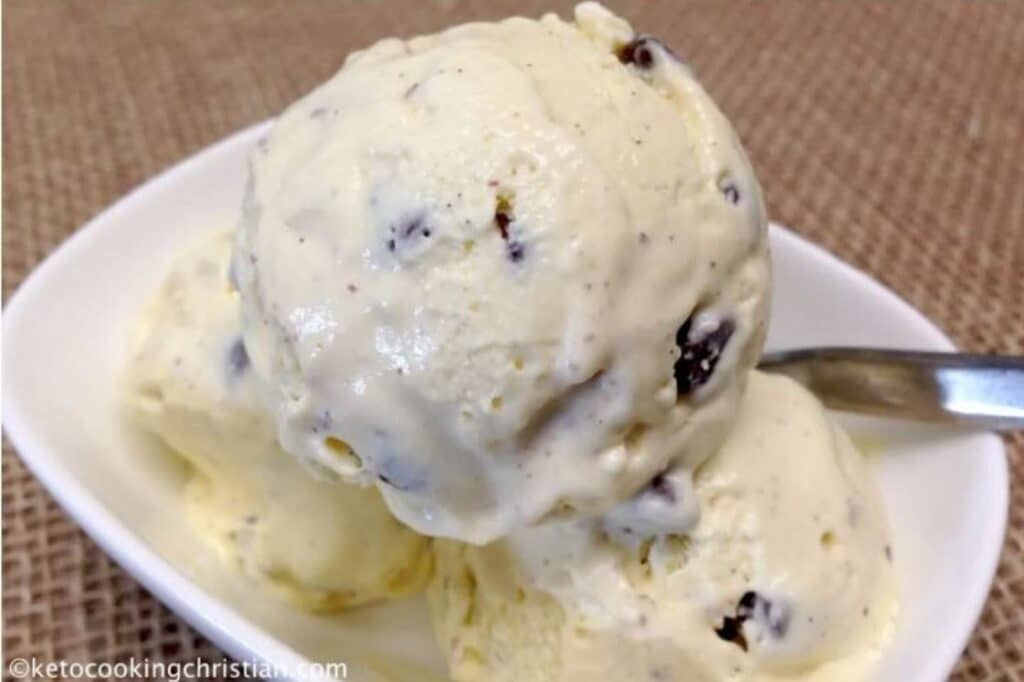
(891, 133)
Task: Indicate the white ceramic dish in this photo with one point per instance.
(946, 490)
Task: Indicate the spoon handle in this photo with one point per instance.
(985, 391)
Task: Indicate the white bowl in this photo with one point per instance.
(945, 490)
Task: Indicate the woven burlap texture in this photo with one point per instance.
(890, 133)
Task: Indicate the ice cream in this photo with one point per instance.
(509, 272)
(787, 575)
(514, 277)
(322, 543)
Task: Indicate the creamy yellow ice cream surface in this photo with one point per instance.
(504, 272)
(506, 286)
(786, 576)
(323, 543)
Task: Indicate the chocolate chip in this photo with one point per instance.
(503, 219)
(644, 238)
(699, 356)
(729, 189)
(731, 630)
(238, 358)
(660, 485)
(745, 606)
(771, 616)
(516, 251)
(638, 52)
(504, 216)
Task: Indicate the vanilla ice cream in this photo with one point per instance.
(508, 272)
(787, 575)
(509, 283)
(323, 544)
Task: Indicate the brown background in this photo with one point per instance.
(891, 133)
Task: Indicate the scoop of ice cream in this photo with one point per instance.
(786, 576)
(508, 271)
(324, 544)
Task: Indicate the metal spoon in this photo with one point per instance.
(985, 391)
